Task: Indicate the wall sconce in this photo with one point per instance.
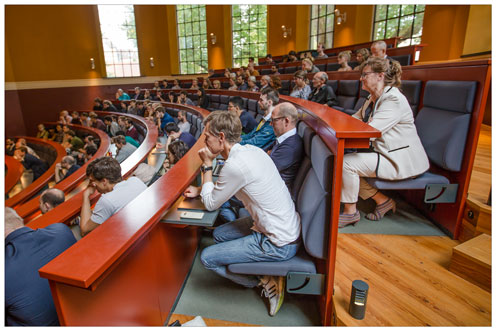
(340, 18)
(286, 32)
(92, 63)
(213, 38)
(152, 64)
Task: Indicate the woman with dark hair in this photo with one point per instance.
(276, 83)
(176, 150)
(361, 56)
(301, 90)
(171, 97)
(206, 84)
(397, 154)
(202, 98)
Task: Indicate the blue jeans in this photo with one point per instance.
(237, 243)
(233, 209)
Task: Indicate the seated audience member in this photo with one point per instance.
(203, 99)
(378, 49)
(74, 143)
(175, 85)
(130, 129)
(30, 162)
(322, 93)
(309, 56)
(111, 126)
(301, 90)
(251, 61)
(10, 146)
(177, 149)
(28, 299)
(272, 231)
(96, 122)
(248, 123)
(343, 58)
(64, 117)
(232, 85)
(287, 151)
(398, 149)
(85, 154)
(144, 172)
(285, 58)
(292, 56)
(171, 97)
(183, 124)
(85, 120)
(147, 95)
(42, 132)
(227, 73)
(240, 82)
(138, 95)
(21, 142)
(194, 84)
(211, 73)
(252, 84)
(121, 120)
(123, 148)
(163, 118)
(57, 134)
(108, 106)
(216, 85)
(206, 84)
(252, 70)
(105, 177)
(184, 100)
(268, 59)
(264, 82)
(174, 133)
(140, 108)
(308, 66)
(65, 168)
(123, 107)
(274, 70)
(161, 96)
(320, 51)
(51, 198)
(89, 140)
(361, 56)
(97, 104)
(129, 139)
(262, 135)
(156, 85)
(302, 56)
(76, 118)
(121, 95)
(276, 84)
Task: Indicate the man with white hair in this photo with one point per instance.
(121, 95)
(28, 300)
(264, 82)
(378, 49)
(322, 93)
(65, 168)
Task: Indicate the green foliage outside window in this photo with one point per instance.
(192, 38)
(249, 33)
(404, 21)
(321, 25)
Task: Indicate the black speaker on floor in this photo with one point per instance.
(358, 300)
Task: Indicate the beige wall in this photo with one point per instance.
(478, 32)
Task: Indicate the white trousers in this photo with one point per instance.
(355, 167)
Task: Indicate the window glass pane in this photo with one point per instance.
(379, 30)
(315, 10)
(314, 27)
(321, 25)
(313, 42)
(380, 12)
(330, 9)
(417, 28)
(404, 21)
(393, 11)
(407, 9)
(391, 28)
(420, 8)
(329, 21)
(406, 26)
(194, 30)
(322, 21)
(119, 40)
(249, 32)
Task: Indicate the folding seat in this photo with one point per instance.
(404, 60)
(214, 102)
(333, 84)
(285, 87)
(411, 90)
(224, 102)
(347, 94)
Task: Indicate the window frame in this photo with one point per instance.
(401, 15)
(325, 33)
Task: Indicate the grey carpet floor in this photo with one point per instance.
(208, 295)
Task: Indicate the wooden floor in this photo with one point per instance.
(480, 181)
(410, 284)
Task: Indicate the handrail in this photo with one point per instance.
(70, 208)
(44, 179)
(67, 184)
(13, 172)
(126, 226)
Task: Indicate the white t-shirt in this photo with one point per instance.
(184, 126)
(111, 202)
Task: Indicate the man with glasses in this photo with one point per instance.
(105, 177)
(322, 93)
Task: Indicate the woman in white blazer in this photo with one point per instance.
(397, 154)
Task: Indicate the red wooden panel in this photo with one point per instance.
(13, 172)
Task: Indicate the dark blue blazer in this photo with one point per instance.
(248, 122)
(188, 138)
(287, 158)
(28, 300)
(37, 165)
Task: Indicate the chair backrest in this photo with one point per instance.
(314, 200)
(306, 134)
(404, 60)
(443, 122)
(333, 84)
(411, 90)
(290, 70)
(252, 106)
(185, 85)
(333, 66)
(224, 102)
(285, 86)
(361, 100)
(265, 72)
(224, 84)
(347, 93)
(321, 66)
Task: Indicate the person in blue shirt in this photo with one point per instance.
(248, 122)
(173, 133)
(121, 95)
(163, 118)
(263, 135)
(28, 300)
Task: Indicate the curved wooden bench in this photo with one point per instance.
(31, 207)
(44, 179)
(70, 208)
(13, 172)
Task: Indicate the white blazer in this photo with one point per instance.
(399, 142)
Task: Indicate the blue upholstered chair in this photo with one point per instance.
(347, 95)
(442, 126)
(411, 90)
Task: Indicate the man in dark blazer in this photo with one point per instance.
(31, 162)
(287, 151)
(322, 93)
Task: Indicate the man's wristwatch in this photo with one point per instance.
(205, 169)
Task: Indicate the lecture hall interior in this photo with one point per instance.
(425, 262)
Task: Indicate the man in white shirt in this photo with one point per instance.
(378, 49)
(272, 232)
(183, 123)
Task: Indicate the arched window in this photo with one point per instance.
(249, 33)
(322, 26)
(404, 21)
(120, 45)
(192, 38)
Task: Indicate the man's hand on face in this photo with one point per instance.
(89, 190)
(207, 156)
